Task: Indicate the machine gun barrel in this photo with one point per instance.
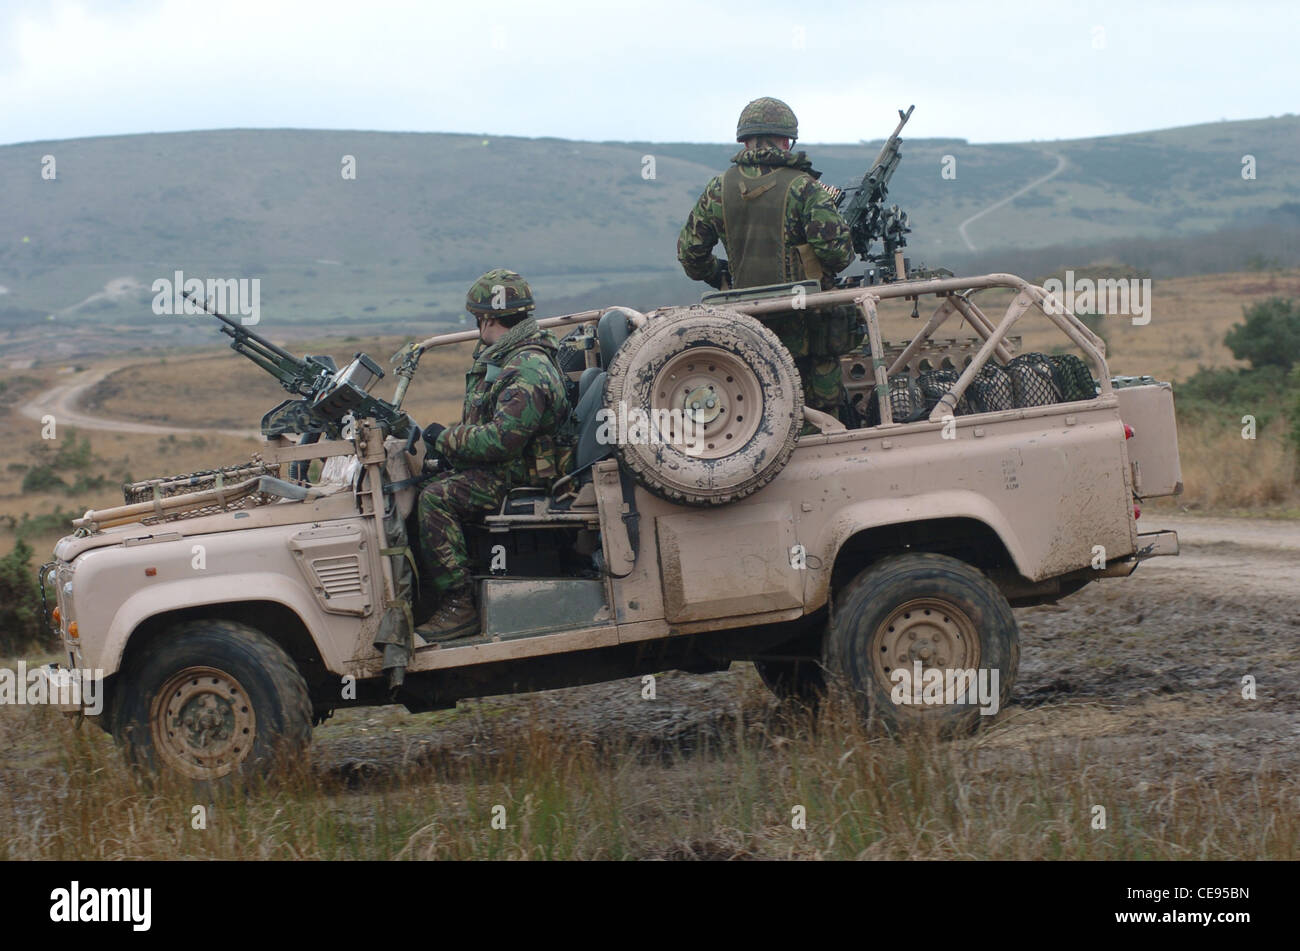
(868, 219)
(297, 376)
(889, 155)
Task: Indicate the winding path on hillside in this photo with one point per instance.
(63, 400)
(961, 228)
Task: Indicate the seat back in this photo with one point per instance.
(587, 414)
(613, 328)
(589, 376)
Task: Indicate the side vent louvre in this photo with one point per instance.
(334, 563)
(339, 577)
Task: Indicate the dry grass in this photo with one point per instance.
(1223, 472)
(66, 795)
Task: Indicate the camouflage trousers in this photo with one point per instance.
(445, 503)
(819, 368)
(823, 383)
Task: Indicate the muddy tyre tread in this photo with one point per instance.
(866, 601)
(212, 641)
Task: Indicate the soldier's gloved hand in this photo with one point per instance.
(430, 436)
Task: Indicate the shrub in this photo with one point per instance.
(42, 479)
(74, 454)
(47, 523)
(1270, 336)
(21, 623)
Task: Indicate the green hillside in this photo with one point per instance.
(428, 212)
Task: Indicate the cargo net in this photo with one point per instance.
(1031, 379)
(169, 486)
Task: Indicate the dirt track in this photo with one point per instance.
(62, 402)
(1147, 669)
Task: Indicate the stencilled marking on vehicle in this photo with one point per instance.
(1010, 474)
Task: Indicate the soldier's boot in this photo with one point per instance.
(456, 617)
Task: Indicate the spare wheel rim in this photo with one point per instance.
(707, 402)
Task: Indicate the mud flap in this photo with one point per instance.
(396, 634)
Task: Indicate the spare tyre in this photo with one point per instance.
(704, 405)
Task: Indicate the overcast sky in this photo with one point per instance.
(660, 71)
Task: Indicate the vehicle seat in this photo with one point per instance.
(587, 413)
(612, 329)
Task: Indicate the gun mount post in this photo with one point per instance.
(407, 360)
(866, 305)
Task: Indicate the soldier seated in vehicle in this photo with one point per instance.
(778, 225)
(515, 404)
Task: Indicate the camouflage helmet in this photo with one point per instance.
(499, 293)
(767, 116)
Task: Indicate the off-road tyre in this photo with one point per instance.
(678, 361)
(927, 607)
(215, 702)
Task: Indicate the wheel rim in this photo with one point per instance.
(203, 723)
(937, 633)
(687, 384)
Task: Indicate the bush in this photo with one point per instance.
(43, 479)
(1293, 407)
(21, 623)
(73, 454)
(1227, 390)
(86, 484)
(47, 523)
(1270, 337)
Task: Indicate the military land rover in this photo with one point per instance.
(708, 518)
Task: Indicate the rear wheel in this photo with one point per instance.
(214, 702)
(924, 640)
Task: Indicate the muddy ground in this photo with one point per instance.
(1147, 670)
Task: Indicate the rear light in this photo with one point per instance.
(1128, 431)
(56, 615)
(72, 629)
(1137, 512)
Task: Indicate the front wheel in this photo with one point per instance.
(924, 640)
(216, 700)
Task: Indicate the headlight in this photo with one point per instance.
(66, 608)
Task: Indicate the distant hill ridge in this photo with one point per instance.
(426, 212)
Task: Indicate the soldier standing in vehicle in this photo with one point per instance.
(515, 404)
(778, 225)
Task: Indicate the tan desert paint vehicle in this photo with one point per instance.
(232, 612)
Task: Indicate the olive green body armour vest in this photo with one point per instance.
(753, 211)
